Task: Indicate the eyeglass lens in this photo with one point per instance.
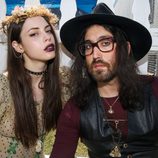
(104, 45)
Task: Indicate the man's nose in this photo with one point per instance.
(96, 52)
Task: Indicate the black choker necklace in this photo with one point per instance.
(35, 73)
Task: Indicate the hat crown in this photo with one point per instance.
(102, 8)
(103, 15)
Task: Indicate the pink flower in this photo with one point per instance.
(17, 9)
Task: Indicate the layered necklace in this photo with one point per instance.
(35, 73)
(114, 122)
(116, 137)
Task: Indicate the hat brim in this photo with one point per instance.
(138, 36)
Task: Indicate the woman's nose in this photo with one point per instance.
(46, 37)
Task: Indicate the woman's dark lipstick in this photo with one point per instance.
(50, 48)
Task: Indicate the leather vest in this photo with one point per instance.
(142, 139)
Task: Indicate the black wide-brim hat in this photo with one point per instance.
(138, 36)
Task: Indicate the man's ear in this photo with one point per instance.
(129, 47)
(18, 47)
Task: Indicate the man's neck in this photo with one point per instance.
(110, 89)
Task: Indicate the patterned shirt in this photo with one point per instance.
(9, 146)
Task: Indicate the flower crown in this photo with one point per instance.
(20, 14)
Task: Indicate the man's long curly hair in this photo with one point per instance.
(130, 92)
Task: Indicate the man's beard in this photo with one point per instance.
(102, 75)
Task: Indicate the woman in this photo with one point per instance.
(30, 93)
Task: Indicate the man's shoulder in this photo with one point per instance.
(149, 79)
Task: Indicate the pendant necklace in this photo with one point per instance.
(111, 111)
(116, 137)
(116, 133)
(115, 152)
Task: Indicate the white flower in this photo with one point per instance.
(39, 146)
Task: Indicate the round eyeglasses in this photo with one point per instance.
(104, 45)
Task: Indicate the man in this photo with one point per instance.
(114, 110)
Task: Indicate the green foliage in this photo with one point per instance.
(12, 148)
(48, 144)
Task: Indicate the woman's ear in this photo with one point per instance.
(18, 47)
(129, 47)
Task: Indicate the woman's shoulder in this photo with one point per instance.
(3, 78)
(65, 72)
(65, 75)
(65, 83)
(4, 87)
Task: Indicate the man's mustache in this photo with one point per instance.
(100, 62)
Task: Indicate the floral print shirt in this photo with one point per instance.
(9, 146)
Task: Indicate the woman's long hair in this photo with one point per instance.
(26, 128)
(130, 92)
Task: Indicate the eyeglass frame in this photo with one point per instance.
(95, 44)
